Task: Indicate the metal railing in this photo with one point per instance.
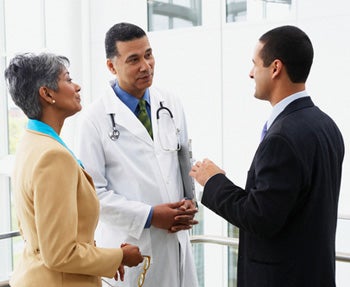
(9, 234)
(195, 239)
(233, 242)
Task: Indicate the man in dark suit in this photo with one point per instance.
(287, 213)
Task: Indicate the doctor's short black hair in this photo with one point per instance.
(121, 32)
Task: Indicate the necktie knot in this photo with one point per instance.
(144, 117)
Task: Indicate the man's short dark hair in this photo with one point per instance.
(121, 32)
(292, 47)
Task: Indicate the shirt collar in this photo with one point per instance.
(280, 106)
(129, 100)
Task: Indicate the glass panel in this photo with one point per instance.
(12, 119)
(171, 14)
(342, 245)
(269, 9)
(10, 248)
(5, 218)
(276, 9)
(17, 242)
(31, 13)
(17, 123)
(24, 24)
(5, 226)
(240, 10)
(236, 10)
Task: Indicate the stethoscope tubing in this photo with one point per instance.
(163, 108)
(115, 133)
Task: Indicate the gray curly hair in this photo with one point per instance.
(28, 72)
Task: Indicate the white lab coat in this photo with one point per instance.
(132, 174)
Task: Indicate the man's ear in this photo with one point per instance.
(110, 67)
(276, 67)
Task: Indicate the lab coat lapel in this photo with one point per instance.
(124, 116)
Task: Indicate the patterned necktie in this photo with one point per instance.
(144, 118)
(263, 132)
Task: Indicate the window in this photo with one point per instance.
(14, 36)
(240, 10)
(275, 9)
(171, 14)
(5, 209)
(236, 10)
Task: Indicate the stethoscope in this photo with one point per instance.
(115, 133)
(163, 108)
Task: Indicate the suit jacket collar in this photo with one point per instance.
(298, 104)
(301, 103)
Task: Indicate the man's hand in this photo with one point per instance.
(204, 170)
(186, 221)
(174, 216)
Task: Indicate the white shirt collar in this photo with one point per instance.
(280, 106)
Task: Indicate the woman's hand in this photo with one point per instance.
(131, 255)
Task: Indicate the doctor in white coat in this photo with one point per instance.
(146, 195)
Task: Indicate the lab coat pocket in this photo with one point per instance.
(168, 133)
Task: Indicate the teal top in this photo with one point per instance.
(43, 128)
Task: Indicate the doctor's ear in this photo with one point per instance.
(110, 67)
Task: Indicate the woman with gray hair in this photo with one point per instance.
(56, 203)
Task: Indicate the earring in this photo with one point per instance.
(53, 101)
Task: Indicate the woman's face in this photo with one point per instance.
(67, 98)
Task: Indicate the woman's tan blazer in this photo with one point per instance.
(57, 210)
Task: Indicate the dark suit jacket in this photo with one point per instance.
(287, 213)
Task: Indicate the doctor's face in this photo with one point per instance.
(134, 66)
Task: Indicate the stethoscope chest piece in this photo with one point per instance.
(114, 133)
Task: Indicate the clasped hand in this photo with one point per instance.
(175, 216)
